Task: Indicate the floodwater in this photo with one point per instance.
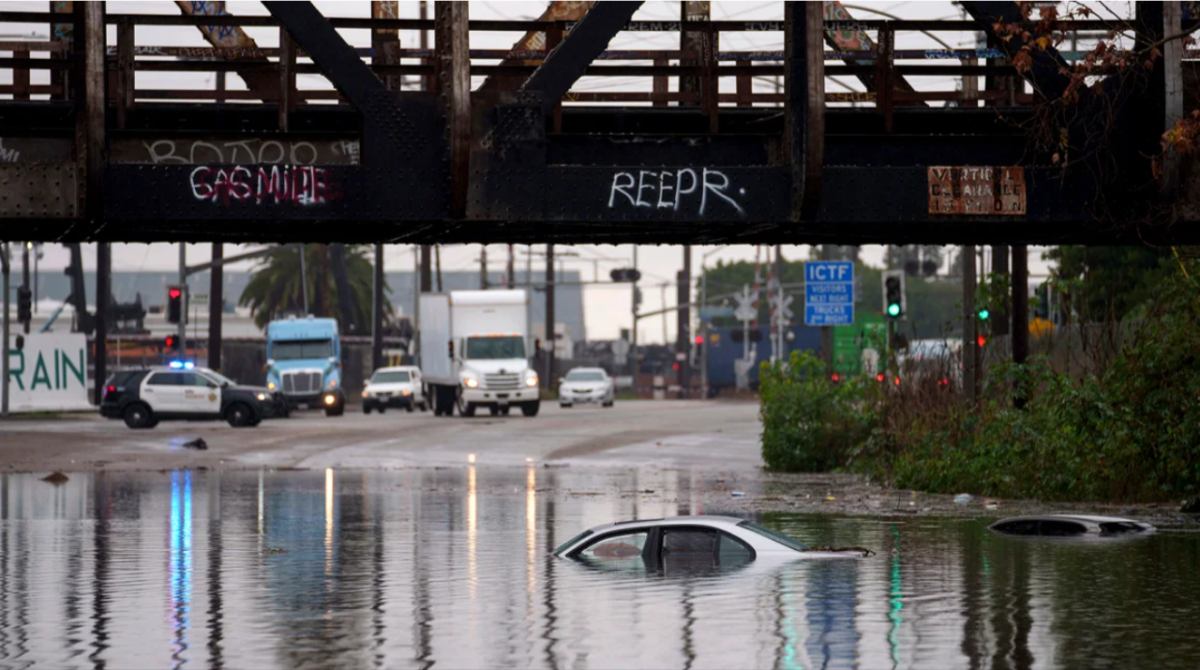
(451, 568)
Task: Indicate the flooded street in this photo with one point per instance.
(451, 567)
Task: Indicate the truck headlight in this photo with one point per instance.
(531, 380)
(406, 392)
(271, 385)
(366, 394)
(262, 396)
(470, 382)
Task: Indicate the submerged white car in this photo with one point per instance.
(690, 542)
(586, 385)
(398, 387)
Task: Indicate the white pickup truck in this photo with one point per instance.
(475, 352)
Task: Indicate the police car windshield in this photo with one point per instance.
(389, 377)
(217, 377)
(292, 350)
(510, 346)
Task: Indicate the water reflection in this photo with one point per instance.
(451, 568)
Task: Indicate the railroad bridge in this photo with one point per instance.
(523, 157)
(445, 142)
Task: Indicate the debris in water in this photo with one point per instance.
(197, 443)
(963, 498)
(276, 550)
(1191, 506)
(55, 478)
(991, 504)
(738, 494)
(829, 498)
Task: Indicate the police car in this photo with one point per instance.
(182, 391)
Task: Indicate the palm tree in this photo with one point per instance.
(275, 289)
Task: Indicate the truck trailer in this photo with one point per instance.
(475, 352)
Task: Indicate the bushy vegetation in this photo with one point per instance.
(1128, 433)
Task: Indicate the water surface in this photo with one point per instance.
(450, 568)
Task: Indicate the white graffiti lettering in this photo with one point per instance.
(265, 152)
(8, 155)
(672, 187)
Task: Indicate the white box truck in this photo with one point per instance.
(475, 352)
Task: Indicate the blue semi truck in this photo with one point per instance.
(727, 345)
(304, 362)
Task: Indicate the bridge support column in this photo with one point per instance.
(89, 156)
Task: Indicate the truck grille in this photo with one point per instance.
(502, 382)
(301, 383)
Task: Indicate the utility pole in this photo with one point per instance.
(416, 339)
(483, 269)
(25, 277)
(377, 310)
(683, 335)
(426, 284)
(826, 331)
(437, 258)
(779, 310)
(1000, 269)
(511, 271)
(549, 328)
(216, 306)
(4, 336)
(635, 368)
(183, 313)
(303, 277)
(970, 319)
(1020, 314)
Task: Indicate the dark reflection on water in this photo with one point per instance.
(450, 568)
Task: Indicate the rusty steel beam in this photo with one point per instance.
(261, 83)
(454, 85)
(563, 66)
(535, 40)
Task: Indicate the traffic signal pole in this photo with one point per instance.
(1020, 313)
(216, 306)
(25, 279)
(183, 299)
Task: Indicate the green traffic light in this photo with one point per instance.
(894, 309)
(984, 314)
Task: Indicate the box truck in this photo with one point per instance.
(475, 352)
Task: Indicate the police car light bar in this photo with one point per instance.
(182, 365)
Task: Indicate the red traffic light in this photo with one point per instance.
(981, 340)
(172, 342)
(699, 339)
(675, 366)
(879, 377)
(174, 293)
(835, 377)
(897, 381)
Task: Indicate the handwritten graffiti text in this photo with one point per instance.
(672, 189)
(287, 184)
(271, 152)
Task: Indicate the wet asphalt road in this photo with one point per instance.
(667, 433)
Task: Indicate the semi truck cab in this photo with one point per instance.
(304, 362)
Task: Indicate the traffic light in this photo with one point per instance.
(24, 304)
(698, 351)
(171, 343)
(984, 313)
(625, 275)
(174, 304)
(981, 340)
(894, 304)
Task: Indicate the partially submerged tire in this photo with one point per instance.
(239, 415)
(465, 408)
(337, 409)
(138, 416)
(531, 408)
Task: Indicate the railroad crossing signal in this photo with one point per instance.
(781, 306)
(745, 310)
(24, 304)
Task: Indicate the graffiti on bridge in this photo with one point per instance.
(277, 185)
(269, 152)
(674, 190)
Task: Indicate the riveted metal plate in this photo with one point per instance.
(38, 191)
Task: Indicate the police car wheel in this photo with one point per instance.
(137, 415)
(239, 415)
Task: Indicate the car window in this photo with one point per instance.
(688, 541)
(218, 377)
(194, 379)
(785, 540)
(579, 376)
(164, 379)
(731, 552)
(394, 377)
(616, 548)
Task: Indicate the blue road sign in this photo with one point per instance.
(828, 293)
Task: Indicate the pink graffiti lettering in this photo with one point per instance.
(277, 185)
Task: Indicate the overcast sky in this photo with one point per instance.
(607, 308)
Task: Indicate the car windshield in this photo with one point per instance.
(219, 378)
(566, 545)
(390, 377)
(509, 346)
(785, 540)
(582, 376)
(291, 350)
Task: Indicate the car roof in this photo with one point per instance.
(587, 370)
(693, 520)
(397, 368)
